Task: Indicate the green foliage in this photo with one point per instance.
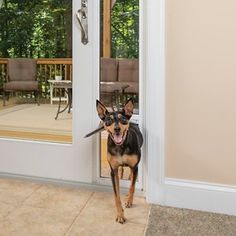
(43, 28)
(36, 28)
(125, 29)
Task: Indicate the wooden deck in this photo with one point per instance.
(29, 121)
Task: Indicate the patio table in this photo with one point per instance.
(61, 85)
(117, 89)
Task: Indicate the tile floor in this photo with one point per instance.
(28, 209)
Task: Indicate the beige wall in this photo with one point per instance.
(201, 90)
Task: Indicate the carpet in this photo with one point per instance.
(169, 221)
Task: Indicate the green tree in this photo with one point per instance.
(36, 28)
(125, 29)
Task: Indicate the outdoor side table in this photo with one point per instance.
(54, 98)
(63, 85)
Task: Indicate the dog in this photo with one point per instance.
(123, 149)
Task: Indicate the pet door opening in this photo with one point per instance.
(119, 63)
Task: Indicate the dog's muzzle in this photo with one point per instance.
(119, 138)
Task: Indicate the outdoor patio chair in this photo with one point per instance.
(21, 76)
(128, 73)
(109, 70)
(109, 67)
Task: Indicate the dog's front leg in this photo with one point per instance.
(134, 174)
(116, 187)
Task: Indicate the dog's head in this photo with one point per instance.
(116, 123)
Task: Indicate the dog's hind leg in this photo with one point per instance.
(121, 170)
(134, 174)
(116, 187)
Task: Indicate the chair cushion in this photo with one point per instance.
(21, 86)
(22, 69)
(109, 67)
(128, 70)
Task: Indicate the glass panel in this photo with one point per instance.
(40, 31)
(119, 62)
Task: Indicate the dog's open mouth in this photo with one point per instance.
(119, 138)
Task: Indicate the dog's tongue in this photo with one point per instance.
(117, 138)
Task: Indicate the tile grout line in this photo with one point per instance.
(36, 189)
(148, 217)
(16, 207)
(138, 223)
(76, 217)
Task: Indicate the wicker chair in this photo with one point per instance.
(21, 76)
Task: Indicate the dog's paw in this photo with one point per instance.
(128, 204)
(120, 219)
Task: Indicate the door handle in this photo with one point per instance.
(82, 17)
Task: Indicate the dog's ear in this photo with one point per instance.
(129, 108)
(101, 109)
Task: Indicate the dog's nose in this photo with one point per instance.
(117, 129)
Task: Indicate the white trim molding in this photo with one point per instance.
(200, 196)
(154, 102)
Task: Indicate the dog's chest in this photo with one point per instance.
(122, 160)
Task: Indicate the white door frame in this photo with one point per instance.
(152, 89)
(61, 161)
(155, 100)
(45, 160)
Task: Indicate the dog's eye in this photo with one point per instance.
(108, 121)
(123, 120)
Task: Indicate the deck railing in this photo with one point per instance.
(47, 69)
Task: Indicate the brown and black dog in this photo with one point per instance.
(124, 149)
